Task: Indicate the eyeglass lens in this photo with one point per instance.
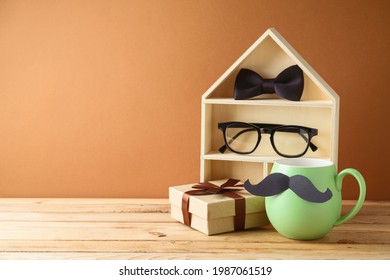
(242, 139)
(291, 142)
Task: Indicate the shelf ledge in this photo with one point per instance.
(244, 158)
(270, 102)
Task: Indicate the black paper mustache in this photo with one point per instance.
(277, 183)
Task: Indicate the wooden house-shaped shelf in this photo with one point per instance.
(318, 108)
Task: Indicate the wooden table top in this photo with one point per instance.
(143, 229)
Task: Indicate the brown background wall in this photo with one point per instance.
(102, 98)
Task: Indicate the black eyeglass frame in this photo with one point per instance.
(267, 129)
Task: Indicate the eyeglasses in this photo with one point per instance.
(287, 140)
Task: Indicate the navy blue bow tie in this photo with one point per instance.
(288, 84)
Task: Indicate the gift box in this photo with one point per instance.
(217, 206)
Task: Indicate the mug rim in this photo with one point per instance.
(304, 162)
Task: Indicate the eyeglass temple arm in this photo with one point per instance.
(311, 145)
(223, 148)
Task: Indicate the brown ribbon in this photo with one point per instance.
(227, 189)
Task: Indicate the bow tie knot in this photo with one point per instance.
(288, 84)
(268, 86)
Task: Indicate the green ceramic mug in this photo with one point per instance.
(300, 218)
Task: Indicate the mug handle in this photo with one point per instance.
(362, 195)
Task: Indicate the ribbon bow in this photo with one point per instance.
(288, 84)
(227, 189)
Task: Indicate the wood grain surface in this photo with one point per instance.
(143, 229)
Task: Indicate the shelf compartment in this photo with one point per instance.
(268, 59)
(320, 118)
(216, 170)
